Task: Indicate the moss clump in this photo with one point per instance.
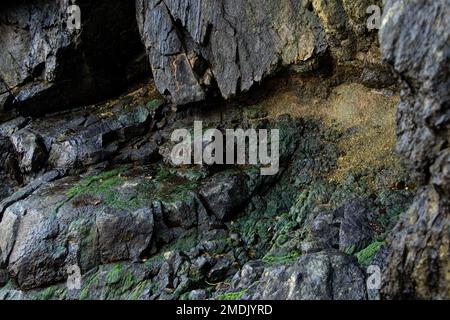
(91, 282)
(115, 275)
(280, 259)
(232, 295)
(47, 294)
(366, 255)
(390, 218)
(97, 184)
(185, 243)
(104, 185)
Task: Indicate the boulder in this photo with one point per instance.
(30, 149)
(225, 194)
(319, 276)
(44, 235)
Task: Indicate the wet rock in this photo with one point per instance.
(198, 295)
(30, 149)
(4, 278)
(319, 276)
(414, 40)
(8, 168)
(146, 153)
(248, 275)
(44, 234)
(221, 270)
(377, 77)
(24, 192)
(224, 195)
(91, 144)
(46, 67)
(324, 232)
(123, 235)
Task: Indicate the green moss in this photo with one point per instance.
(47, 294)
(366, 255)
(183, 244)
(103, 185)
(138, 290)
(232, 295)
(97, 184)
(163, 173)
(115, 275)
(90, 282)
(350, 249)
(281, 259)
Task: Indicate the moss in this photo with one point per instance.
(185, 243)
(103, 185)
(136, 293)
(282, 259)
(232, 295)
(115, 275)
(163, 173)
(350, 249)
(366, 255)
(97, 184)
(47, 294)
(91, 281)
(390, 218)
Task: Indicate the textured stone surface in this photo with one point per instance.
(44, 235)
(320, 276)
(44, 66)
(149, 230)
(234, 44)
(415, 39)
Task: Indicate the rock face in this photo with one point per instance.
(94, 187)
(325, 275)
(44, 66)
(41, 237)
(194, 44)
(415, 39)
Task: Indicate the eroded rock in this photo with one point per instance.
(324, 276)
(193, 45)
(415, 41)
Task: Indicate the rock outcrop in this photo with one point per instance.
(44, 66)
(94, 188)
(196, 46)
(415, 40)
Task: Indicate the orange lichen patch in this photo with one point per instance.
(365, 116)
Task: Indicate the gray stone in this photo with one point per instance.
(224, 195)
(415, 39)
(235, 44)
(30, 149)
(319, 276)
